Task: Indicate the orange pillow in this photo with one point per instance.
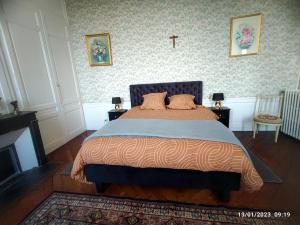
(154, 101)
(183, 101)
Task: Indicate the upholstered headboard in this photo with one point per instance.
(174, 88)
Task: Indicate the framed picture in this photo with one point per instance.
(99, 49)
(245, 35)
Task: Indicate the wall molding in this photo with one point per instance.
(56, 98)
(241, 115)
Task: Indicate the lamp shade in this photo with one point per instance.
(116, 100)
(218, 97)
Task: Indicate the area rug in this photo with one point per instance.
(64, 208)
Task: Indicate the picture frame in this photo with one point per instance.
(245, 35)
(99, 49)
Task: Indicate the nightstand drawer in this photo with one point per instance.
(112, 114)
(223, 114)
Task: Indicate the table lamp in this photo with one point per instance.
(117, 102)
(218, 97)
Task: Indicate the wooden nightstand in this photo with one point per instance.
(223, 114)
(113, 114)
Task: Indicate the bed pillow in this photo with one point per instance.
(183, 101)
(154, 101)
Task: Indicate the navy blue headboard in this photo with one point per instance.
(173, 88)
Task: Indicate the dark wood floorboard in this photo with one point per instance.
(283, 158)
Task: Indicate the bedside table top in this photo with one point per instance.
(222, 108)
(120, 111)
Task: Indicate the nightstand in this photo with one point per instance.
(113, 114)
(223, 114)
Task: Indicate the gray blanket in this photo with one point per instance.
(208, 130)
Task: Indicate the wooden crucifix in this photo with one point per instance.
(173, 37)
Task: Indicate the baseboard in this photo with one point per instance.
(241, 114)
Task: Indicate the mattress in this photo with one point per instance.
(153, 152)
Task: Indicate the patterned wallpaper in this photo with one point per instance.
(142, 51)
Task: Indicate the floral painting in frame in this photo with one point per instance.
(99, 49)
(245, 35)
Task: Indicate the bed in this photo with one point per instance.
(113, 172)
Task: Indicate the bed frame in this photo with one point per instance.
(221, 183)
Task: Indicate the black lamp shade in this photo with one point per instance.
(116, 100)
(218, 97)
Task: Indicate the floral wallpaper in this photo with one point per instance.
(142, 51)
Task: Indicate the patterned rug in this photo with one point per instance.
(63, 208)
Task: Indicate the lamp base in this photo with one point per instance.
(117, 107)
(218, 105)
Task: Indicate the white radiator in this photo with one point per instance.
(291, 113)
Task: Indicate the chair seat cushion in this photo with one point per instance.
(266, 118)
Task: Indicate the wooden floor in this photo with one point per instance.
(283, 158)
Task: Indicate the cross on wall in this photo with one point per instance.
(174, 38)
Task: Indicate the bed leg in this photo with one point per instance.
(101, 187)
(222, 195)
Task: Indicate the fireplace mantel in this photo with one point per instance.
(11, 122)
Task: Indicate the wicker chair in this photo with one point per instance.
(268, 113)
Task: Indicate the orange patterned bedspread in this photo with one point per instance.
(168, 153)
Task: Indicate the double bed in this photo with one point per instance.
(160, 159)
